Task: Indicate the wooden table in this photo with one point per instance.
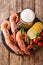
(7, 7)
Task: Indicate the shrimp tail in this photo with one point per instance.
(14, 47)
(23, 47)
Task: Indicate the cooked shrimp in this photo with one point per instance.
(5, 26)
(13, 20)
(21, 44)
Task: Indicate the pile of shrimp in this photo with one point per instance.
(15, 40)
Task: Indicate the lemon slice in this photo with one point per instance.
(36, 28)
(31, 35)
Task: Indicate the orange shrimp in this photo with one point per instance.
(5, 26)
(13, 20)
(21, 44)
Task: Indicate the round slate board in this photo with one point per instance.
(3, 39)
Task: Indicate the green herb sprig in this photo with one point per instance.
(22, 30)
(37, 35)
(36, 46)
(28, 40)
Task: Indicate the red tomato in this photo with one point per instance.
(35, 41)
(41, 33)
(40, 44)
(39, 38)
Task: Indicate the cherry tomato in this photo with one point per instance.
(40, 44)
(35, 41)
(42, 34)
(39, 38)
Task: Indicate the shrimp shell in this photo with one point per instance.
(5, 26)
(21, 43)
(13, 20)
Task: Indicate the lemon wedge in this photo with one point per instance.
(36, 28)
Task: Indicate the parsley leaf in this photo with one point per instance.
(36, 46)
(37, 35)
(28, 40)
(22, 30)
